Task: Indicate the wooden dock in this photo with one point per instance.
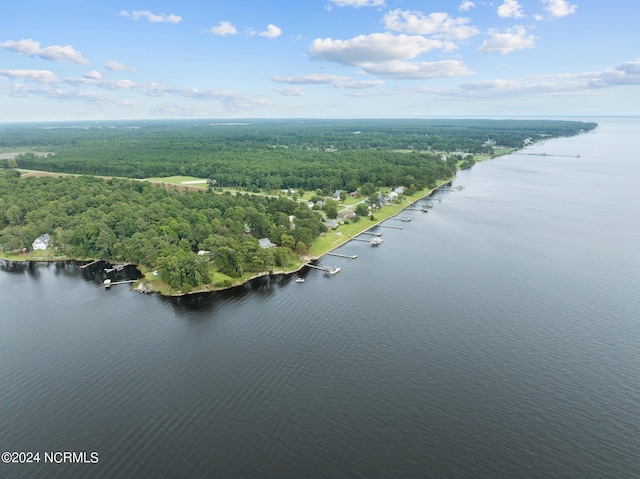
(371, 233)
(344, 255)
(108, 283)
(118, 267)
(392, 227)
(324, 269)
(92, 263)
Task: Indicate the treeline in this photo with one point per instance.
(271, 154)
(134, 221)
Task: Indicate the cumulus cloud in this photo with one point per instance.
(271, 32)
(438, 24)
(512, 39)
(373, 48)
(93, 75)
(37, 76)
(358, 3)
(117, 66)
(510, 9)
(224, 28)
(466, 5)
(56, 53)
(418, 70)
(559, 8)
(151, 17)
(386, 55)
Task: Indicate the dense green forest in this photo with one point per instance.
(309, 154)
(135, 221)
(121, 219)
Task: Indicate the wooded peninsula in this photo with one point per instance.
(208, 205)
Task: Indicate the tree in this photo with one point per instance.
(362, 209)
(331, 209)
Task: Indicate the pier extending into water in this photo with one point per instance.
(345, 255)
(108, 283)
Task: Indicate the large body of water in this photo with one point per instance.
(497, 336)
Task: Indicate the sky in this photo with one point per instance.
(155, 59)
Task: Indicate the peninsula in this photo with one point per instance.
(210, 206)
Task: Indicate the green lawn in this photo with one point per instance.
(180, 180)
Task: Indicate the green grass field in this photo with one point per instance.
(180, 180)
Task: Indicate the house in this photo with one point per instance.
(41, 242)
(336, 195)
(346, 215)
(330, 224)
(266, 243)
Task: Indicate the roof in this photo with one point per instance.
(45, 238)
(266, 243)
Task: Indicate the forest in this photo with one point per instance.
(262, 154)
(164, 229)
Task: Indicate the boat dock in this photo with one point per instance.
(118, 267)
(108, 283)
(324, 269)
(392, 227)
(95, 261)
(344, 255)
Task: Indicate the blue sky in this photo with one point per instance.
(85, 60)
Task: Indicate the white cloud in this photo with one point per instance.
(515, 38)
(358, 3)
(224, 28)
(374, 48)
(271, 32)
(510, 9)
(500, 88)
(56, 53)
(151, 17)
(93, 75)
(625, 74)
(559, 8)
(337, 81)
(291, 91)
(418, 70)
(117, 66)
(38, 76)
(312, 79)
(437, 24)
(466, 5)
(361, 85)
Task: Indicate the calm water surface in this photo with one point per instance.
(497, 336)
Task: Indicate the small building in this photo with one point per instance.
(41, 242)
(265, 243)
(336, 195)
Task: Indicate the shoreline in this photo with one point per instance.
(310, 259)
(142, 285)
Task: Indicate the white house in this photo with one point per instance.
(41, 242)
